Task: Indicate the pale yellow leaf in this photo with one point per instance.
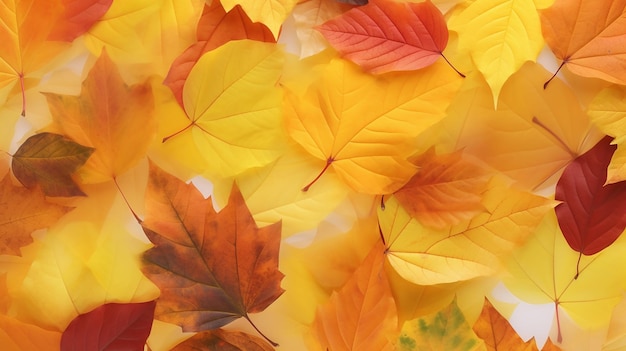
(272, 13)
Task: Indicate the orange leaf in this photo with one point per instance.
(588, 36)
(110, 116)
(19, 336)
(362, 314)
(446, 189)
(49, 160)
(223, 340)
(212, 268)
(385, 36)
(498, 334)
(23, 211)
(216, 27)
(77, 17)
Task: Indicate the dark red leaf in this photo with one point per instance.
(110, 327)
(592, 215)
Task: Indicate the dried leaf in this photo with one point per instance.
(223, 340)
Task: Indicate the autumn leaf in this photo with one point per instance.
(362, 314)
(20, 336)
(443, 330)
(587, 36)
(223, 340)
(224, 266)
(591, 214)
(385, 36)
(500, 35)
(21, 212)
(108, 115)
(235, 117)
(215, 28)
(271, 13)
(48, 160)
(367, 144)
(446, 189)
(498, 334)
(464, 251)
(110, 327)
(77, 18)
(542, 271)
(607, 112)
(309, 14)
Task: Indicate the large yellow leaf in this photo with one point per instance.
(543, 272)
(500, 36)
(233, 106)
(366, 143)
(608, 112)
(464, 251)
(271, 13)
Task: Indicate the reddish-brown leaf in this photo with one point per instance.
(77, 17)
(211, 267)
(48, 160)
(223, 340)
(215, 28)
(591, 214)
(110, 327)
(385, 35)
(22, 211)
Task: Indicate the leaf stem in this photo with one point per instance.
(126, 201)
(23, 88)
(545, 85)
(179, 132)
(559, 337)
(450, 64)
(258, 331)
(580, 254)
(556, 137)
(328, 162)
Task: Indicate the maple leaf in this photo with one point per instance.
(385, 36)
(498, 334)
(445, 190)
(542, 272)
(591, 214)
(464, 251)
(19, 336)
(78, 17)
(500, 36)
(309, 14)
(110, 116)
(212, 268)
(586, 35)
(110, 327)
(271, 13)
(236, 117)
(530, 140)
(215, 28)
(367, 145)
(48, 160)
(444, 330)
(362, 314)
(21, 212)
(223, 340)
(607, 112)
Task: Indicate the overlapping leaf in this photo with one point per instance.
(19, 336)
(385, 36)
(426, 256)
(271, 13)
(110, 116)
(587, 36)
(367, 144)
(77, 18)
(212, 268)
(309, 14)
(223, 340)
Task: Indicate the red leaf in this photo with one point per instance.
(591, 214)
(385, 36)
(78, 17)
(215, 28)
(110, 327)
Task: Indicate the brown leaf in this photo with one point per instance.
(212, 268)
(223, 340)
(48, 160)
(22, 211)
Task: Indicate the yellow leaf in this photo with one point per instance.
(234, 116)
(608, 112)
(365, 143)
(464, 251)
(543, 270)
(311, 13)
(500, 36)
(271, 13)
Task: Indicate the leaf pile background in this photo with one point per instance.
(312, 175)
